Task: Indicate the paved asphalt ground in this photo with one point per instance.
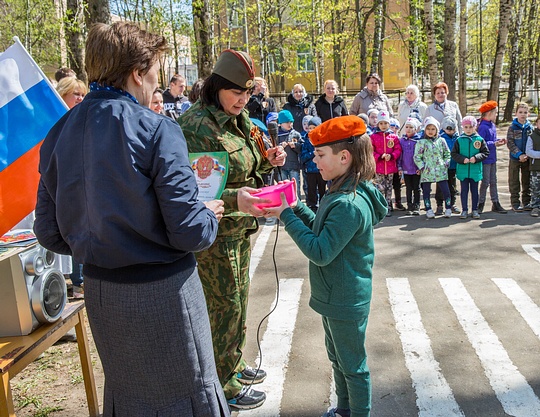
(454, 325)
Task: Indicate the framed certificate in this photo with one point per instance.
(211, 170)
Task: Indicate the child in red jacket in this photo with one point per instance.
(386, 150)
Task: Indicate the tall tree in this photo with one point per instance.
(98, 12)
(376, 52)
(505, 13)
(463, 56)
(431, 42)
(449, 48)
(74, 28)
(202, 26)
(515, 61)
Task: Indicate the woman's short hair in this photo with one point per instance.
(195, 91)
(68, 85)
(437, 86)
(211, 87)
(260, 81)
(413, 88)
(299, 86)
(374, 75)
(114, 51)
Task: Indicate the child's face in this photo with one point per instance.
(521, 114)
(383, 126)
(305, 126)
(373, 119)
(330, 165)
(538, 123)
(410, 130)
(449, 130)
(469, 129)
(491, 115)
(431, 131)
(286, 125)
(394, 129)
(310, 128)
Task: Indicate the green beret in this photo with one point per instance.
(236, 67)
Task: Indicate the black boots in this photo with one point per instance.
(481, 208)
(497, 208)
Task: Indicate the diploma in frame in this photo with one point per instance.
(211, 170)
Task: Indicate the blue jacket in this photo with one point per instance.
(450, 140)
(117, 191)
(307, 155)
(406, 160)
(516, 136)
(293, 154)
(488, 131)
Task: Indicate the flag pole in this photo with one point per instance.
(18, 42)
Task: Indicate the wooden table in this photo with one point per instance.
(19, 351)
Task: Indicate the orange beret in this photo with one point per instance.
(487, 106)
(336, 130)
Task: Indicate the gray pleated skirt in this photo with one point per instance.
(155, 346)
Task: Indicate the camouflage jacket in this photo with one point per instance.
(208, 129)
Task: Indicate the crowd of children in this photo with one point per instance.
(428, 152)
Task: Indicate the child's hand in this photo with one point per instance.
(522, 157)
(276, 211)
(466, 161)
(472, 160)
(418, 172)
(500, 142)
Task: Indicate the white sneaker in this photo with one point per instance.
(430, 214)
(448, 213)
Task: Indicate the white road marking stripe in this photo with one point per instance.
(276, 346)
(257, 250)
(532, 252)
(434, 396)
(516, 396)
(523, 303)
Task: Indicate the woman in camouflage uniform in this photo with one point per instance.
(217, 122)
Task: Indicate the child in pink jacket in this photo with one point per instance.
(386, 150)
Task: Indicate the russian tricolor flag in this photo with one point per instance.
(29, 107)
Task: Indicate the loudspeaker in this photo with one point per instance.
(33, 291)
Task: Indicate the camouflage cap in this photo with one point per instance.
(236, 67)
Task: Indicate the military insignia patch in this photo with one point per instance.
(477, 144)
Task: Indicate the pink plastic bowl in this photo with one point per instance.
(273, 192)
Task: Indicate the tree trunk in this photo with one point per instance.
(377, 36)
(515, 61)
(74, 38)
(361, 22)
(449, 48)
(98, 12)
(202, 26)
(175, 42)
(431, 43)
(463, 57)
(505, 12)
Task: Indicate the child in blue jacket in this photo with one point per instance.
(338, 241)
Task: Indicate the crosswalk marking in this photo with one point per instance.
(532, 251)
(434, 396)
(276, 346)
(514, 393)
(523, 303)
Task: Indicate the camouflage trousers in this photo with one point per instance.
(385, 186)
(224, 272)
(535, 189)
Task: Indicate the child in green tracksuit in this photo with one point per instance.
(338, 241)
(469, 151)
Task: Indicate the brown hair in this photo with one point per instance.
(522, 105)
(374, 75)
(195, 91)
(437, 86)
(67, 85)
(64, 72)
(363, 164)
(114, 51)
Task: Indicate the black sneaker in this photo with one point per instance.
(527, 207)
(399, 207)
(247, 399)
(480, 208)
(251, 376)
(517, 208)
